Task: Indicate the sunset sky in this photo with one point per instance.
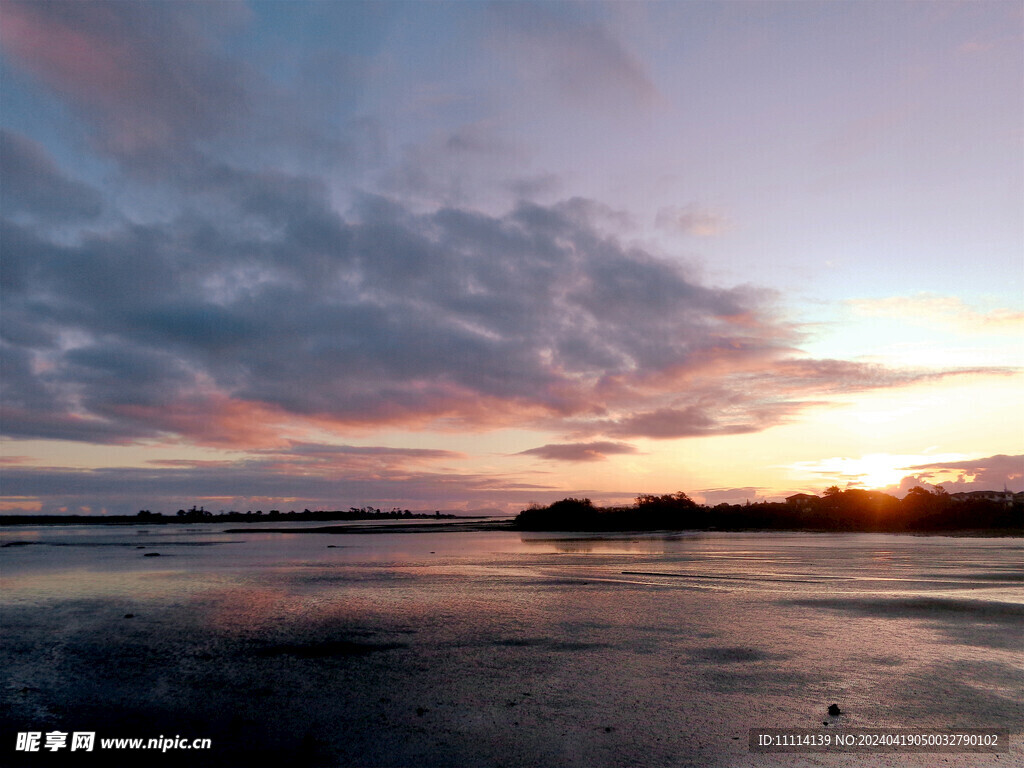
(468, 256)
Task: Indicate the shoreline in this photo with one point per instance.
(476, 524)
(46, 520)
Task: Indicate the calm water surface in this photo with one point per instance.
(499, 648)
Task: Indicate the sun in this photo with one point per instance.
(879, 470)
(872, 471)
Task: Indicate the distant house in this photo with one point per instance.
(802, 500)
(1001, 497)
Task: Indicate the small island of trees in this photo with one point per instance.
(854, 509)
(199, 514)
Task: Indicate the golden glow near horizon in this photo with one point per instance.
(835, 444)
(832, 444)
(874, 471)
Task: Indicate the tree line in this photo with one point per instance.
(853, 509)
(200, 514)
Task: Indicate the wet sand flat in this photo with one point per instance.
(494, 648)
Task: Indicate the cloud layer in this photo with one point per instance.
(255, 308)
(297, 476)
(990, 473)
(222, 333)
(34, 185)
(204, 330)
(215, 236)
(596, 451)
(949, 312)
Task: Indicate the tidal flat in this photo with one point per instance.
(498, 648)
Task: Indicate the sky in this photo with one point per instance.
(472, 256)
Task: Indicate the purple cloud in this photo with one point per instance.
(990, 473)
(317, 477)
(577, 57)
(384, 317)
(596, 451)
(33, 184)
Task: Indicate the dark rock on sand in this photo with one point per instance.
(834, 710)
(152, 554)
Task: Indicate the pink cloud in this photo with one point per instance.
(211, 419)
(84, 63)
(11, 460)
(142, 73)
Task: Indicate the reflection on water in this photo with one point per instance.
(60, 561)
(608, 543)
(488, 647)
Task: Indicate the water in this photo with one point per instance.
(499, 648)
